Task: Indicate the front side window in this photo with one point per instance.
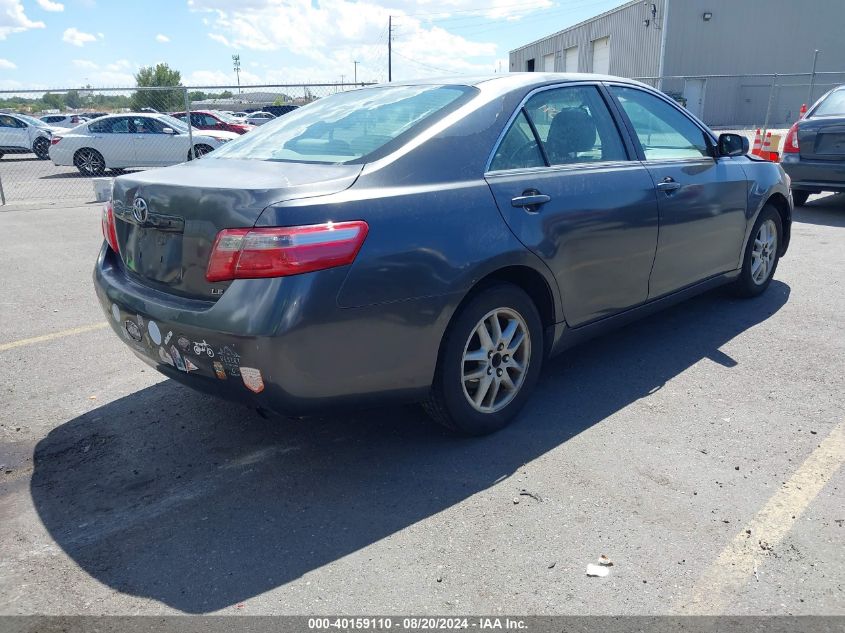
(663, 131)
(118, 125)
(345, 127)
(147, 125)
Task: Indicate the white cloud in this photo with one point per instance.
(14, 20)
(85, 64)
(162, 38)
(120, 64)
(333, 33)
(5, 64)
(49, 5)
(76, 37)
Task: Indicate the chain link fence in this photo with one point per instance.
(59, 147)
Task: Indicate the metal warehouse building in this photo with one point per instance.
(687, 42)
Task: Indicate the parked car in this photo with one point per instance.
(23, 134)
(258, 118)
(279, 110)
(814, 148)
(92, 115)
(63, 120)
(208, 120)
(432, 241)
(120, 141)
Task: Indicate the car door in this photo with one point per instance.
(112, 138)
(13, 132)
(702, 200)
(570, 188)
(155, 148)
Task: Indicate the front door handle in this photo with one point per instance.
(530, 200)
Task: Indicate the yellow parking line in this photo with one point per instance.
(739, 560)
(52, 336)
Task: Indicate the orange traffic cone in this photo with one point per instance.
(757, 149)
(802, 111)
(767, 152)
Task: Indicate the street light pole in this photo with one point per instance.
(356, 71)
(236, 61)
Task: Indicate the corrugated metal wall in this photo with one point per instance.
(741, 37)
(634, 49)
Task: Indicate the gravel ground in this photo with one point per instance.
(657, 445)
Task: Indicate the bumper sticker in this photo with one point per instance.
(219, 370)
(155, 334)
(115, 312)
(252, 379)
(133, 330)
(167, 338)
(183, 343)
(202, 347)
(231, 360)
(164, 356)
(189, 366)
(177, 358)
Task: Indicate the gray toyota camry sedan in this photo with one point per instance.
(432, 241)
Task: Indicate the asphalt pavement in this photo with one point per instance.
(699, 449)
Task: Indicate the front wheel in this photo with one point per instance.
(41, 148)
(489, 362)
(762, 254)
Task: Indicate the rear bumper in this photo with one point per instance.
(280, 344)
(814, 175)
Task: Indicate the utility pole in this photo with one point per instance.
(389, 48)
(356, 71)
(236, 62)
(812, 79)
(342, 80)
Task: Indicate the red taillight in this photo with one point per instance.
(55, 140)
(283, 251)
(109, 228)
(790, 144)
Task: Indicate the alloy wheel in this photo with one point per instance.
(764, 252)
(495, 360)
(90, 162)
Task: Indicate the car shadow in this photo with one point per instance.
(200, 504)
(828, 211)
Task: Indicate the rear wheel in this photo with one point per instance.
(489, 362)
(761, 254)
(89, 162)
(800, 197)
(41, 148)
(199, 151)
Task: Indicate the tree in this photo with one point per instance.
(52, 101)
(162, 100)
(197, 95)
(73, 100)
(226, 94)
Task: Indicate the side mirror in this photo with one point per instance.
(170, 130)
(733, 145)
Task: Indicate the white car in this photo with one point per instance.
(63, 120)
(258, 118)
(120, 141)
(22, 134)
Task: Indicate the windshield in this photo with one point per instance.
(344, 127)
(834, 103)
(32, 120)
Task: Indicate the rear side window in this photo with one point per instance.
(347, 126)
(663, 131)
(518, 148)
(573, 126)
(834, 103)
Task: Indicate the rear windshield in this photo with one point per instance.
(345, 127)
(834, 103)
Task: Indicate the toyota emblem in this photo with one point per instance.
(139, 210)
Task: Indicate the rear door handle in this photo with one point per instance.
(531, 201)
(668, 185)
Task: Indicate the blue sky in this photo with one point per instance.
(67, 43)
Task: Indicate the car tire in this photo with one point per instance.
(799, 197)
(41, 148)
(89, 162)
(468, 364)
(200, 151)
(762, 250)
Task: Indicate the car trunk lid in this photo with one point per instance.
(167, 219)
(822, 139)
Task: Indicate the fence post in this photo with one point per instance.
(812, 79)
(190, 128)
(2, 193)
(769, 107)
